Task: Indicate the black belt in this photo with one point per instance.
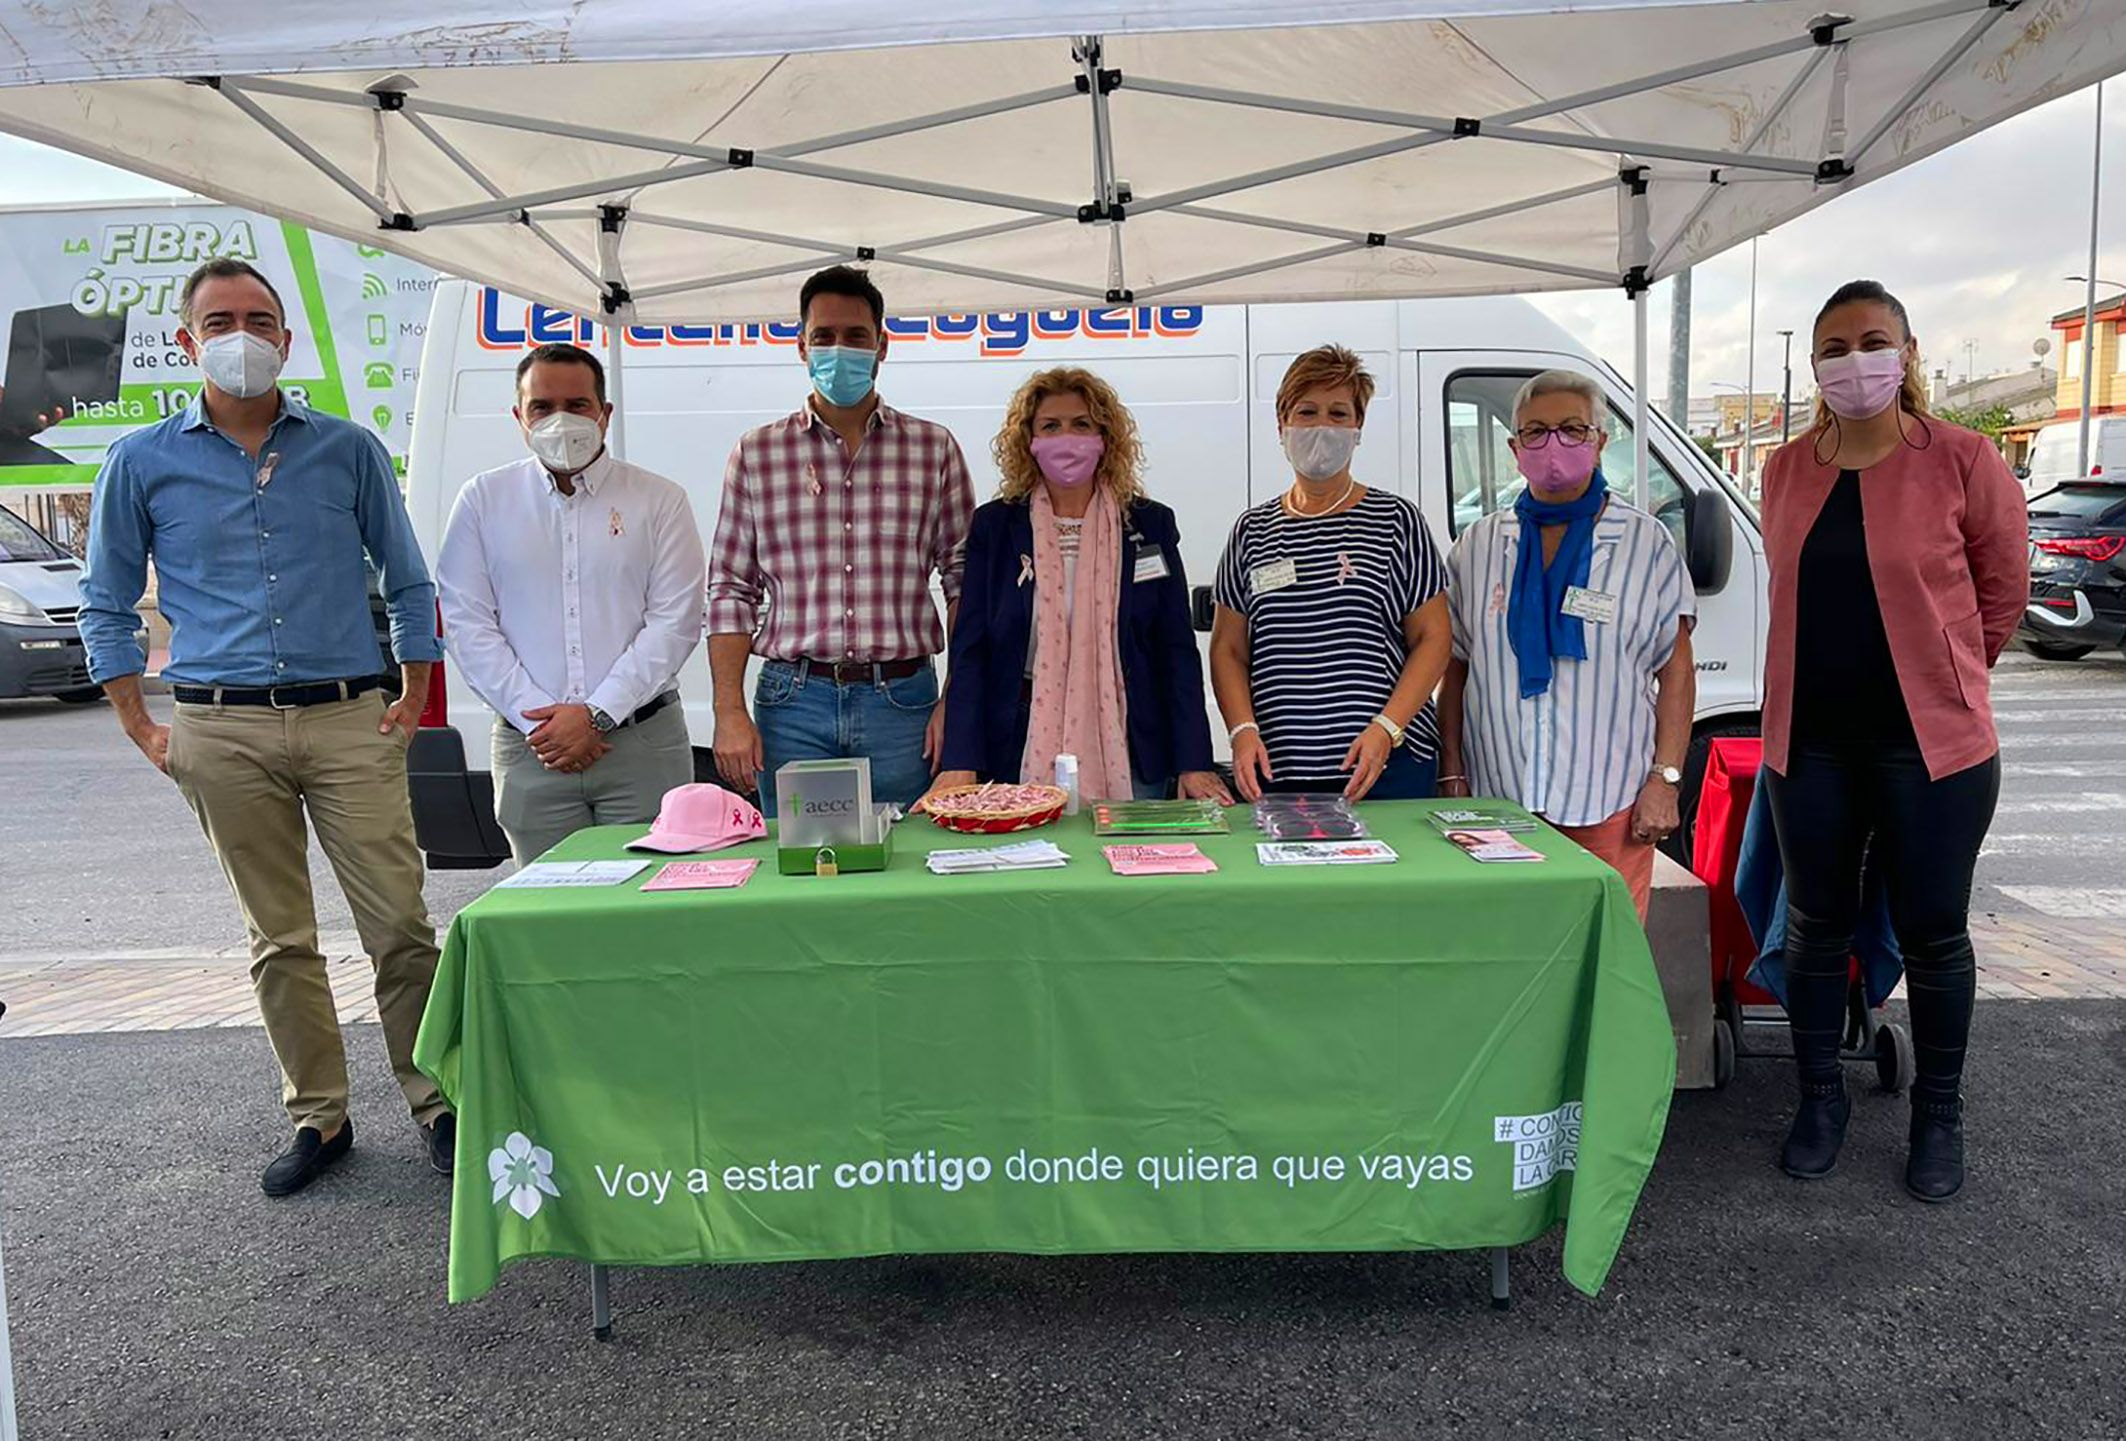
(649, 710)
(279, 697)
(862, 672)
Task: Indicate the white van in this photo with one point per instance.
(1201, 383)
(2056, 452)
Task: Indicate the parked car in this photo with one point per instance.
(2077, 570)
(40, 607)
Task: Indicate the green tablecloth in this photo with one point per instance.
(1434, 1053)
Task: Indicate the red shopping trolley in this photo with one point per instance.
(1740, 1005)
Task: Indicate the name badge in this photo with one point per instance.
(1151, 564)
(1274, 576)
(1589, 605)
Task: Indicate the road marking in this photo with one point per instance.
(2078, 773)
(2053, 844)
(2070, 903)
(2072, 742)
(2086, 802)
(2100, 713)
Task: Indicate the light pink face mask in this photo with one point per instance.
(1861, 383)
(1554, 467)
(1068, 460)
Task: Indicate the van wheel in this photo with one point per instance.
(2044, 650)
(1680, 846)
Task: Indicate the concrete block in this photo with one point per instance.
(1679, 929)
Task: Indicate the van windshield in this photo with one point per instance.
(20, 541)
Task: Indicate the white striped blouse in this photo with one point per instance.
(1578, 753)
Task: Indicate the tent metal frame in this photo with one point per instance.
(1626, 165)
(1111, 204)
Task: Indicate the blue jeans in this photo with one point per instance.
(807, 717)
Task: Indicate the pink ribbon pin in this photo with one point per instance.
(1344, 569)
(1025, 569)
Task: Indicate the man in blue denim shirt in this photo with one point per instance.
(258, 512)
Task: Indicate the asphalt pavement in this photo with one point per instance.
(157, 1294)
(100, 855)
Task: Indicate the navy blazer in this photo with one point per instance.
(1162, 673)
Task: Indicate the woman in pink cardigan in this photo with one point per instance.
(1898, 548)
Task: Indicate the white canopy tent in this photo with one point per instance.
(659, 163)
(676, 163)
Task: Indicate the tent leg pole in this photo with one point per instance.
(615, 380)
(1638, 399)
(1501, 1279)
(601, 1303)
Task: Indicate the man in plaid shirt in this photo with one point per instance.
(836, 517)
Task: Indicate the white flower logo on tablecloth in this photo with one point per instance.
(521, 1171)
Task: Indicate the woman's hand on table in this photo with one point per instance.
(1365, 761)
(1251, 764)
(1204, 786)
(946, 780)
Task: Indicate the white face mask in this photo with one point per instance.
(566, 443)
(240, 364)
(1320, 451)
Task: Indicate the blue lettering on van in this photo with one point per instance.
(997, 333)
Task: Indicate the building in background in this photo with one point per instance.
(2108, 395)
(2011, 407)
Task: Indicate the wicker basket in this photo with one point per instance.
(953, 809)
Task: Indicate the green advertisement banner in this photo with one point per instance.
(92, 329)
(1429, 1054)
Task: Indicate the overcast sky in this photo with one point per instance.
(1975, 241)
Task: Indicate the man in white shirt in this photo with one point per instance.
(573, 587)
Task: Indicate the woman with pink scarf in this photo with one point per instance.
(1073, 633)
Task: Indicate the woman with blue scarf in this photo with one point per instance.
(1571, 690)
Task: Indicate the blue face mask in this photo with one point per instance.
(841, 374)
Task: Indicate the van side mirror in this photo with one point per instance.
(1201, 609)
(1709, 540)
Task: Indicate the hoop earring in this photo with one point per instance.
(1831, 428)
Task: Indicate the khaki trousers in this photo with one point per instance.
(251, 774)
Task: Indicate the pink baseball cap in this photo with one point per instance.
(702, 818)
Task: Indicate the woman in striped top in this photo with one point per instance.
(1332, 625)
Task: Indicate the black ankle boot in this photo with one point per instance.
(1935, 1169)
(1819, 1130)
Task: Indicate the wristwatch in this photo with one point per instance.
(1670, 774)
(602, 723)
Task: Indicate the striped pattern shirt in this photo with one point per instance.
(1326, 649)
(840, 550)
(1578, 753)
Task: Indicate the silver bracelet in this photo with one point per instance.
(1234, 734)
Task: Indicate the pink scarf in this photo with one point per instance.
(1078, 705)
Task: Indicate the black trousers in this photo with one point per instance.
(1836, 805)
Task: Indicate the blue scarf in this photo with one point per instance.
(1536, 624)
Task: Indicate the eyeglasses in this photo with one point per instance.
(1535, 437)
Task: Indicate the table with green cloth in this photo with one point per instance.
(1434, 1053)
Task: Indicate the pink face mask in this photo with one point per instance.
(1861, 383)
(1068, 460)
(1554, 467)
